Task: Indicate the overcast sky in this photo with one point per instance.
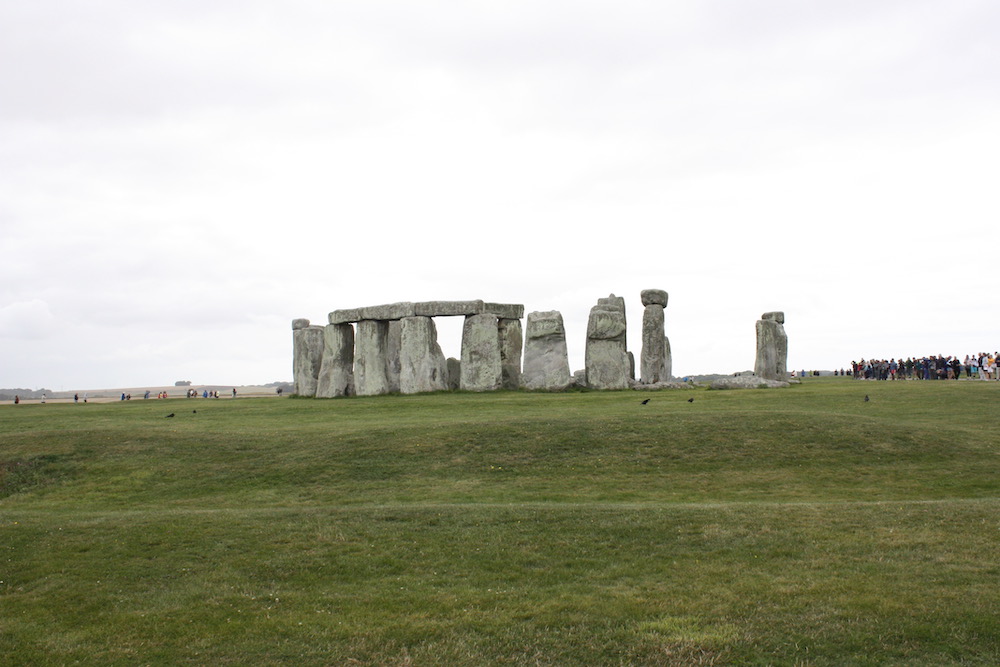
(181, 179)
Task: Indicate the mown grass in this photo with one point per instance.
(798, 526)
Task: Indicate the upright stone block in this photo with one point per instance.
(307, 356)
(511, 343)
(371, 362)
(422, 364)
(668, 362)
(653, 352)
(546, 359)
(454, 374)
(336, 374)
(481, 361)
(393, 343)
(772, 347)
(606, 355)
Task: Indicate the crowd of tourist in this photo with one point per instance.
(982, 366)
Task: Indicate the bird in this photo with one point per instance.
(170, 415)
(646, 401)
(866, 398)
(194, 412)
(691, 400)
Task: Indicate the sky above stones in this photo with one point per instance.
(179, 180)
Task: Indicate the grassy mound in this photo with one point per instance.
(795, 526)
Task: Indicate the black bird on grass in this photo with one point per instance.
(866, 398)
(170, 415)
(646, 401)
(194, 412)
(691, 400)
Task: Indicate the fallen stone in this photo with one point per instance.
(747, 382)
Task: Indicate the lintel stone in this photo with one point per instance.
(446, 308)
(345, 316)
(388, 311)
(505, 311)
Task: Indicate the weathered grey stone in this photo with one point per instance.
(344, 316)
(772, 347)
(668, 362)
(446, 308)
(546, 359)
(652, 297)
(481, 363)
(580, 378)
(371, 358)
(631, 366)
(394, 341)
(505, 311)
(307, 357)
(300, 323)
(336, 374)
(454, 373)
(511, 344)
(747, 382)
(422, 364)
(606, 324)
(606, 355)
(653, 352)
(388, 311)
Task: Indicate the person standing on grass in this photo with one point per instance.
(956, 368)
(17, 399)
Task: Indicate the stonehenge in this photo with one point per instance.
(393, 348)
(772, 347)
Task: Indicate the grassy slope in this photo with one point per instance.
(799, 525)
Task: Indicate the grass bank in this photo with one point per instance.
(798, 526)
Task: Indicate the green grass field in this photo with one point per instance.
(801, 526)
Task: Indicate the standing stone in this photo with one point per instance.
(454, 374)
(307, 356)
(654, 354)
(422, 364)
(393, 365)
(481, 362)
(371, 363)
(336, 374)
(606, 355)
(511, 342)
(668, 362)
(546, 360)
(772, 347)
